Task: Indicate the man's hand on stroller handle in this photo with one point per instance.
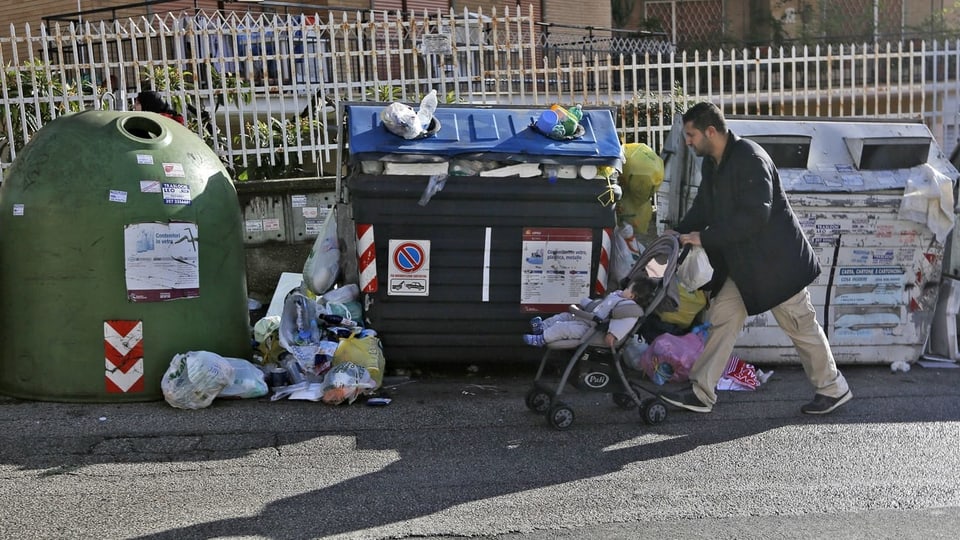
(690, 239)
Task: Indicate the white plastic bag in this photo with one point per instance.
(323, 264)
(626, 252)
(248, 380)
(695, 271)
(195, 378)
(928, 199)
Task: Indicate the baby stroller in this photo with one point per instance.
(595, 367)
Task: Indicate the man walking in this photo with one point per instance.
(761, 261)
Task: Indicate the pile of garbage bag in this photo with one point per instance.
(316, 349)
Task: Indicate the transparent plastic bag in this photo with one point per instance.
(248, 380)
(346, 382)
(195, 378)
(323, 264)
(400, 119)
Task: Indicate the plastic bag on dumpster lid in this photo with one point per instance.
(669, 358)
(365, 350)
(195, 378)
(248, 380)
(323, 264)
(346, 382)
(400, 119)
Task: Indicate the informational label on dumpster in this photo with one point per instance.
(149, 186)
(161, 261)
(409, 268)
(174, 170)
(870, 275)
(271, 224)
(555, 270)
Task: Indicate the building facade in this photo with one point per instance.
(594, 13)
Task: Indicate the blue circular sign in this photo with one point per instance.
(408, 257)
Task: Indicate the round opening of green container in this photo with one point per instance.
(142, 127)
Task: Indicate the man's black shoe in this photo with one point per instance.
(822, 404)
(686, 399)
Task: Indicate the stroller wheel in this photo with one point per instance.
(624, 401)
(560, 416)
(538, 400)
(653, 411)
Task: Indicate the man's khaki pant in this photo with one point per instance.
(798, 320)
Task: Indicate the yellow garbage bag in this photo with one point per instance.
(691, 304)
(365, 351)
(641, 178)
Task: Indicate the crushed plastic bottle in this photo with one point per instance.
(428, 106)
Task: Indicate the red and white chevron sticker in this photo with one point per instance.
(123, 350)
(601, 284)
(366, 258)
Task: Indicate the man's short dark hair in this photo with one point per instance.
(705, 114)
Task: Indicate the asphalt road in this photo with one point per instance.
(457, 455)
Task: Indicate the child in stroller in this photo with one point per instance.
(598, 362)
(619, 309)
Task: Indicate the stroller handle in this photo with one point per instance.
(683, 253)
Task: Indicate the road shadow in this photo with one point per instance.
(439, 469)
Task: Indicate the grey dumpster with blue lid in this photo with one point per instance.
(516, 225)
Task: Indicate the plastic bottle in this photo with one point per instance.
(303, 332)
(428, 106)
(577, 112)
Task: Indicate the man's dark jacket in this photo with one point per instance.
(748, 229)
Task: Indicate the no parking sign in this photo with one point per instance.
(409, 268)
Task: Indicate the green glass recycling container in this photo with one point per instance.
(121, 242)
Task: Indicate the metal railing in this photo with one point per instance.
(261, 89)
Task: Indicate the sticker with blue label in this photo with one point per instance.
(176, 194)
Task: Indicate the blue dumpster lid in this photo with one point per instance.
(493, 133)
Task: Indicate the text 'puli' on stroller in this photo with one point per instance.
(596, 367)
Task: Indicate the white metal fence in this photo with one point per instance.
(260, 90)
